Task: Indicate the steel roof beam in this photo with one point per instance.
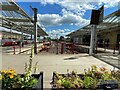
(18, 19)
(9, 8)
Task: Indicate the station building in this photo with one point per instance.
(108, 32)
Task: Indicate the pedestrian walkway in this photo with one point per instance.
(98, 49)
(112, 59)
(19, 50)
(49, 61)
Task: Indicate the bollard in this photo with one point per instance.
(20, 49)
(62, 47)
(14, 49)
(114, 50)
(119, 47)
(57, 47)
(104, 47)
(72, 48)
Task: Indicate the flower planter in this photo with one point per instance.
(56, 88)
(103, 85)
(39, 85)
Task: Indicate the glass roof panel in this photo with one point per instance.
(114, 17)
(17, 17)
(116, 20)
(107, 19)
(4, 14)
(5, 2)
(8, 14)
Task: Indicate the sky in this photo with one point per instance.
(61, 17)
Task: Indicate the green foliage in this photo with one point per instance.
(90, 79)
(27, 81)
(72, 81)
(66, 83)
(35, 67)
(90, 82)
(87, 81)
(61, 38)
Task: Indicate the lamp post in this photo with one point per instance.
(35, 28)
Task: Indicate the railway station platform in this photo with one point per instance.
(49, 61)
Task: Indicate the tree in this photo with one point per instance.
(61, 38)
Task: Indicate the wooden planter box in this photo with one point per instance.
(104, 85)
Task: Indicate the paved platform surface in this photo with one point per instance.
(49, 61)
(112, 59)
(52, 62)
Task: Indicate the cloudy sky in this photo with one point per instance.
(60, 17)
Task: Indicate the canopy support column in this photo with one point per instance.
(35, 30)
(22, 37)
(93, 40)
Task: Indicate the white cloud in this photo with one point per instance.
(79, 7)
(49, 19)
(109, 3)
(48, 1)
(56, 19)
(59, 32)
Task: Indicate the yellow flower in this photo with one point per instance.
(3, 71)
(11, 71)
(15, 74)
(11, 76)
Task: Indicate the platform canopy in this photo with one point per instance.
(15, 18)
(110, 23)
